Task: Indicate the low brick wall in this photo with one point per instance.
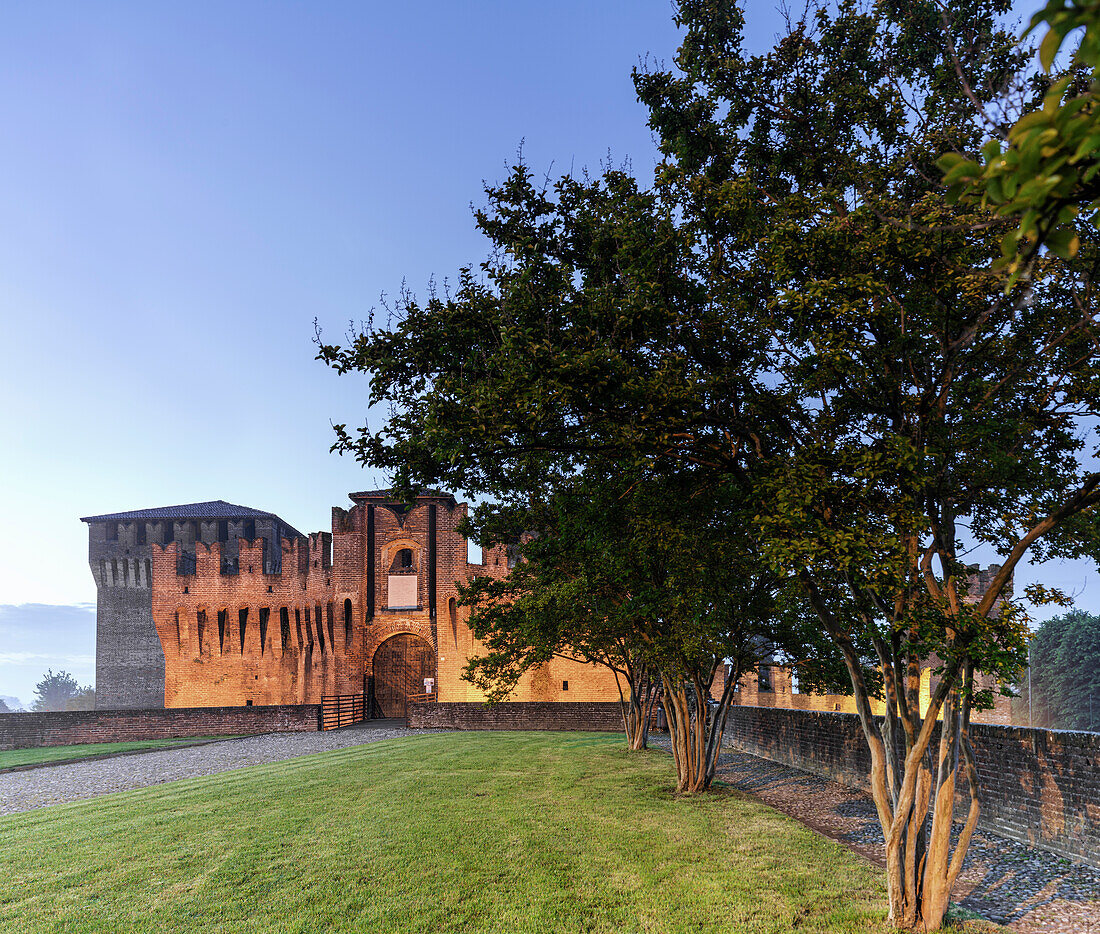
(533, 715)
(1040, 787)
(24, 730)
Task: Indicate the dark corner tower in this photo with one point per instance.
(129, 661)
(129, 658)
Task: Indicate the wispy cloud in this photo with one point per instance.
(36, 607)
(24, 658)
(37, 637)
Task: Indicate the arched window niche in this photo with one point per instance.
(402, 582)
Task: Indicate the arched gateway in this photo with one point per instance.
(401, 664)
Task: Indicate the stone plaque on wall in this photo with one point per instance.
(402, 591)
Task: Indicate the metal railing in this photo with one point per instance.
(342, 709)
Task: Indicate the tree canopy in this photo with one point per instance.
(61, 691)
(1042, 171)
(799, 324)
(1065, 672)
(653, 577)
(924, 407)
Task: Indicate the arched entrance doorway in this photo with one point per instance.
(401, 664)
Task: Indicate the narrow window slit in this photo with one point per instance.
(264, 613)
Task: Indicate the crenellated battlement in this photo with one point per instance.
(125, 572)
(213, 603)
(303, 561)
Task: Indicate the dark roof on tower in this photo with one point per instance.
(215, 509)
(391, 496)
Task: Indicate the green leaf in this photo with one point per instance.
(1052, 41)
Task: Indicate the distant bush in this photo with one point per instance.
(1065, 672)
(61, 691)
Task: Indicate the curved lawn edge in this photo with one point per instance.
(455, 832)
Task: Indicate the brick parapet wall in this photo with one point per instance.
(1040, 787)
(595, 717)
(25, 730)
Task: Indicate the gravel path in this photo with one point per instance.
(54, 784)
(1028, 890)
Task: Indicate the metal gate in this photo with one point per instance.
(341, 709)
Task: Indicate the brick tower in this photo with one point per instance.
(212, 604)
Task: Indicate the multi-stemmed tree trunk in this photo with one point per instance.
(636, 703)
(915, 775)
(695, 725)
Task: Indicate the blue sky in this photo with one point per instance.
(185, 187)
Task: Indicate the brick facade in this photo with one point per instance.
(25, 730)
(129, 660)
(1040, 787)
(773, 685)
(240, 608)
(599, 717)
(777, 686)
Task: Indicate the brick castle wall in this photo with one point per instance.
(212, 613)
(129, 660)
(26, 730)
(532, 715)
(1039, 787)
(313, 624)
(252, 636)
(776, 686)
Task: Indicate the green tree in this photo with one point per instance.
(1042, 172)
(579, 337)
(923, 405)
(1065, 672)
(582, 349)
(650, 576)
(798, 308)
(575, 593)
(84, 699)
(55, 691)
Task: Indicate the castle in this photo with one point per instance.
(213, 604)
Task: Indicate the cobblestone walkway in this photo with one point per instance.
(1026, 889)
(54, 784)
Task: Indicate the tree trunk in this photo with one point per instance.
(915, 802)
(635, 706)
(695, 731)
(634, 720)
(922, 866)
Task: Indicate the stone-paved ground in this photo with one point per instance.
(53, 784)
(1027, 889)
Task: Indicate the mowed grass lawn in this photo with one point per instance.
(501, 832)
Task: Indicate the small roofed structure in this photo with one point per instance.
(213, 509)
